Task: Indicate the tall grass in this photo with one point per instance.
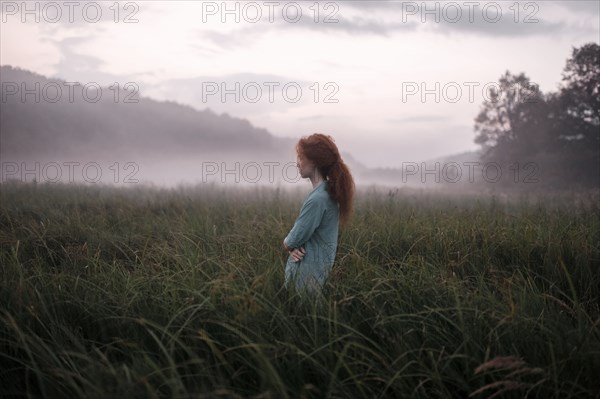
(140, 292)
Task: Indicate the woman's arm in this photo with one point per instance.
(285, 245)
(307, 222)
(296, 253)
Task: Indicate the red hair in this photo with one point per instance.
(320, 149)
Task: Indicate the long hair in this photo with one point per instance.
(321, 150)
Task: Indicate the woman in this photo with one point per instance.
(312, 242)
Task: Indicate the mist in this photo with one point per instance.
(158, 239)
(195, 93)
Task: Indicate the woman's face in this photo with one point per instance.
(305, 167)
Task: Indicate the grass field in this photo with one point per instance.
(143, 293)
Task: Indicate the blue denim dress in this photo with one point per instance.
(316, 229)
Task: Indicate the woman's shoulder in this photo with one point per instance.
(321, 194)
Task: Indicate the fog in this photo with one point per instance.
(187, 93)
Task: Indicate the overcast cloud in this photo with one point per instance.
(361, 62)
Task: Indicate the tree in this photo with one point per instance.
(581, 90)
(559, 131)
(577, 124)
(507, 124)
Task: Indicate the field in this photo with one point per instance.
(147, 293)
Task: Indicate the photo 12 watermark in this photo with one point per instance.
(270, 11)
(469, 172)
(249, 172)
(59, 91)
(53, 12)
(454, 92)
(70, 172)
(254, 92)
(469, 11)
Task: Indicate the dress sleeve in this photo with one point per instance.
(307, 222)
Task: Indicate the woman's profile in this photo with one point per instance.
(312, 241)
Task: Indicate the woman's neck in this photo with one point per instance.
(316, 180)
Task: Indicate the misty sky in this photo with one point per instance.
(370, 53)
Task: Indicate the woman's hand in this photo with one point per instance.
(298, 253)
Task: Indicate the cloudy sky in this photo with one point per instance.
(391, 81)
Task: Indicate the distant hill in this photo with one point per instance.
(416, 175)
(108, 127)
(157, 134)
(466, 156)
(51, 120)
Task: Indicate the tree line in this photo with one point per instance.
(555, 133)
